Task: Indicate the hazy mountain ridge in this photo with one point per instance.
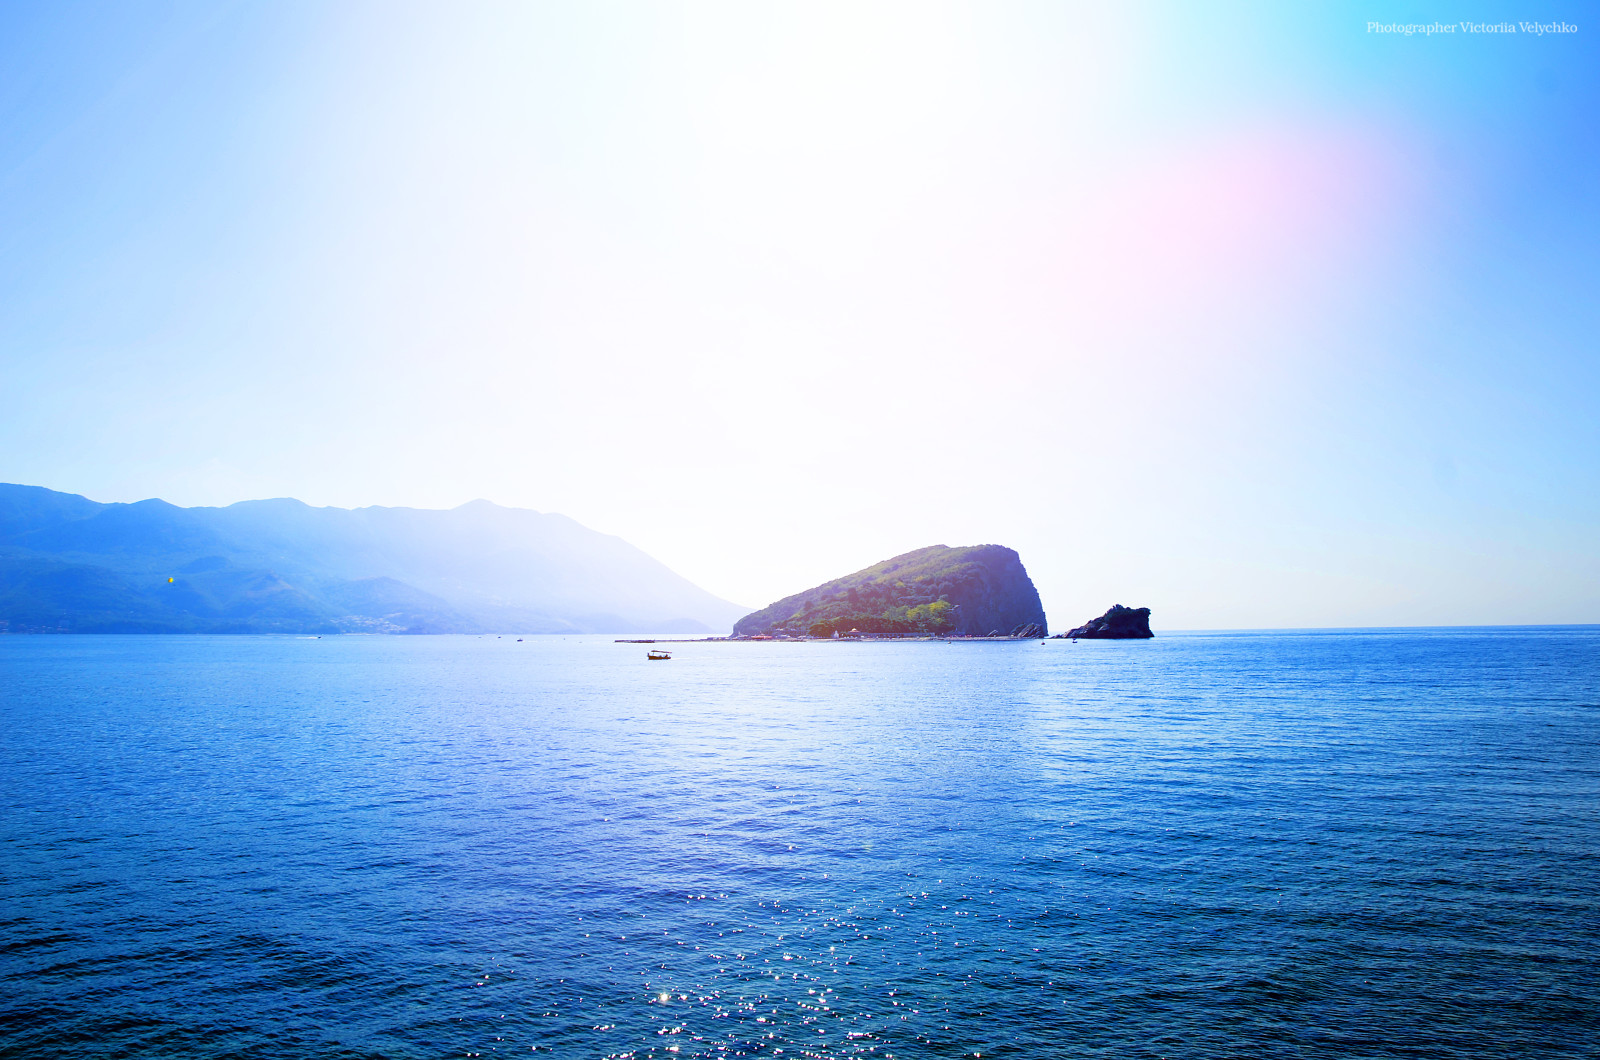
(972, 590)
(68, 563)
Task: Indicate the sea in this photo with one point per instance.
(1356, 843)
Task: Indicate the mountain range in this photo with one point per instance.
(71, 564)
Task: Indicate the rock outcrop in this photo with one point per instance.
(1119, 623)
(975, 590)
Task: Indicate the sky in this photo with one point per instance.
(1255, 314)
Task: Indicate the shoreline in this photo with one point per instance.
(818, 640)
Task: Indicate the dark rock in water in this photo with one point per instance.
(1030, 630)
(973, 590)
(1119, 623)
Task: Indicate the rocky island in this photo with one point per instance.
(1119, 623)
(973, 590)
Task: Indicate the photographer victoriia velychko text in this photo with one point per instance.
(1429, 29)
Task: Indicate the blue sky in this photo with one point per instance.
(1247, 314)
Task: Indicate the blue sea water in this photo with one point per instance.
(1322, 844)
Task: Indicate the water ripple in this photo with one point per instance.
(1295, 845)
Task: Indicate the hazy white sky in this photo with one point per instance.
(1254, 317)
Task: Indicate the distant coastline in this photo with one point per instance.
(888, 637)
(72, 565)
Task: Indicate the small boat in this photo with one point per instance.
(656, 655)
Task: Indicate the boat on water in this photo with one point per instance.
(657, 655)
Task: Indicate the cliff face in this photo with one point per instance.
(973, 590)
(1119, 623)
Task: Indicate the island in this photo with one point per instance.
(1119, 623)
(967, 591)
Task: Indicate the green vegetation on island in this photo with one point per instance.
(973, 590)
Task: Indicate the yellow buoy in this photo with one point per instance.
(170, 581)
